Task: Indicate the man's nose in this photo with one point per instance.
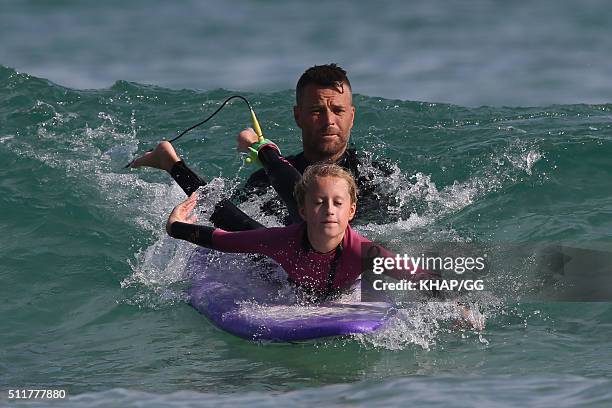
(328, 117)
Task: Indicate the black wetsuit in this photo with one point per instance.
(230, 218)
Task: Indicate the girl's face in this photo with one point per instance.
(327, 207)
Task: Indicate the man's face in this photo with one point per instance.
(325, 116)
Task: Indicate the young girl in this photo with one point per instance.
(321, 254)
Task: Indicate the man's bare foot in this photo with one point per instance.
(162, 157)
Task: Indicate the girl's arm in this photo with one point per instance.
(181, 225)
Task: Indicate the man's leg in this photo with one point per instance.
(226, 215)
(231, 218)
(164, 157)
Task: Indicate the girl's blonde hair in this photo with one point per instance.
(323, 170)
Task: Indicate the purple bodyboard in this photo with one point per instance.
(255, 302)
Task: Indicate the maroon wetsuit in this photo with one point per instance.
(317, 272)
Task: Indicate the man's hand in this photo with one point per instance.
(181, 212)
(246, 138)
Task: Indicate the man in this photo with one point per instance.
(325, 114)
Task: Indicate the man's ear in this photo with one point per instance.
(352, 211)
(302, 212)
(296, 116)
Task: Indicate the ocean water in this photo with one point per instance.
(485, 52)
(94, 293)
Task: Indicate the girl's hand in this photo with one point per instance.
(181, 212)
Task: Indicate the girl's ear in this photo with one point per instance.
(302, 212)
(352, 211)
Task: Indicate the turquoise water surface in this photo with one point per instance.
(93, 293)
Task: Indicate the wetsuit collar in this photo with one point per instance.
(348, 160)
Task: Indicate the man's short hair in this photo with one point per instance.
(325, 76)
(323, 170)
